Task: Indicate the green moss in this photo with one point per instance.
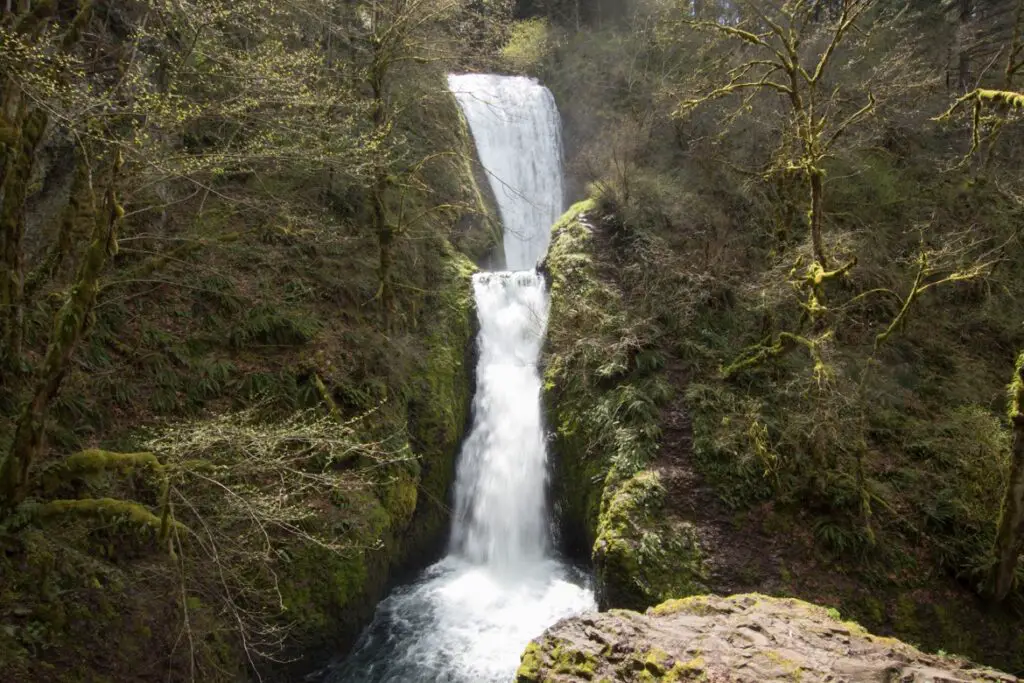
(439, 394)
(531, 663)
(399, 494)
(792, 668)
(568, 660)
(657, 663)
(87, 464)
(640, 558)
(440, 390)
(701, 605)
(102, 507)
(555, 656)
(604, 390)
(875, 609)
(318, 584)
(93, 460)
(905, 620)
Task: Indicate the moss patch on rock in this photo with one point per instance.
(641, 554)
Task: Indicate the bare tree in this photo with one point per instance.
(782, 63)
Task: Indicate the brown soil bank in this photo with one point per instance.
(743, 638)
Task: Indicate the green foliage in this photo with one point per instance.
(605, 385)
(266, 325)
(105, 508)
(530, 44)
(730, 443)
(245, 268)
(602, 383)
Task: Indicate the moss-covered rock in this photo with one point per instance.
(642, 555)
(440, 394)
(744, 638)
(604, 386)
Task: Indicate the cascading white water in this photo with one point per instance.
(468, 618)
(518, 136)
(500, 515)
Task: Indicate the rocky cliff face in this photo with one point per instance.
(744, 638)
(605, 389)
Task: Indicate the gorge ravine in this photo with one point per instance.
(469, 616)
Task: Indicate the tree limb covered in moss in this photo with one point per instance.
(926, 268)
(105, 507)
(979, 100)
(784, 342)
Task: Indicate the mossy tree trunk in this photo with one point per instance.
(816, 218)
(70, 323)
(1010, 533)
(28, 130)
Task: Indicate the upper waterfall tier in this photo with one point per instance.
(517, 132)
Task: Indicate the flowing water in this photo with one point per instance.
(468, 618)
(518, 136)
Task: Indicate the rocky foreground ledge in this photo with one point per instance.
(736, 639)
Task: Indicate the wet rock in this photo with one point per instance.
(743, 638)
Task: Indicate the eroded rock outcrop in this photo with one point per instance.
(743, 638)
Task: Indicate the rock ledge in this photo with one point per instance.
(743, 638)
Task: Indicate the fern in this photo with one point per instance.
(266, 325)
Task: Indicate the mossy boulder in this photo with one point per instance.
(642, 556)
(743, 638)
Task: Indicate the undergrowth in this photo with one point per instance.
(886, 457)
(237, 339)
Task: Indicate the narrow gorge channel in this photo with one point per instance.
(467, 618)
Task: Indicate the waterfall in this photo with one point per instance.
(500, 515)
(517, 131)
(468, 618)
